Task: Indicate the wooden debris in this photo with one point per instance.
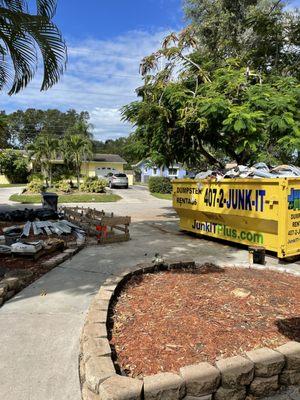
(105, 227)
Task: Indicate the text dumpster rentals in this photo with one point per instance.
(254, 212)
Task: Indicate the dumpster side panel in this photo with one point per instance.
(239, 210)
(292, 209)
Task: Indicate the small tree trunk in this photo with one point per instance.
(50, 174)
(78, 176)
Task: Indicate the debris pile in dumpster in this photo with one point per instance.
(257, 171)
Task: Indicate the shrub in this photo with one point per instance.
(93, 185)
(35, 186)
(160, 184)
(14, 166)
(36, 176)
(64, 186)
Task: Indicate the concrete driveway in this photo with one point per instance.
(39, 343)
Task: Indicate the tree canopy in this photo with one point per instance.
(25, 126)
(225, 88)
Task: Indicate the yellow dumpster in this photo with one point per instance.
(254, 212)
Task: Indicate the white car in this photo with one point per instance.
(117, 179)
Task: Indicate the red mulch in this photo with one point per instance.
(37, 267)
(167, 320)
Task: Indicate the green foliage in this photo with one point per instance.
(5, 135)
(93, 185)
(25, 126)
(35, 186)
(261, 34)
(25, 35)
(42, 152)
(64, 186)
(127, 147)
(217, 107)
(75, 149)
(36, 176)
(14, 166)
(160, 184)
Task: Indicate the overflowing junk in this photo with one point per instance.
(37, 238)
(257, 171)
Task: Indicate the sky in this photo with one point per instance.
(106, 41)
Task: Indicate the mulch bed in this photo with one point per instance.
(171, 319)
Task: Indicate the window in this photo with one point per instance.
(154, 171)
(146, 169)
(173, 171)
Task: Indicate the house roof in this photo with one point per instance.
(114, 158)
(175, 165)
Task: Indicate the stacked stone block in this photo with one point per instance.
(290, 374)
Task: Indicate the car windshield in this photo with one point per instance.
(120, 175)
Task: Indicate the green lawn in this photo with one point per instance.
(162, 196)
(7, 185)
(140, 184)
(67, 198)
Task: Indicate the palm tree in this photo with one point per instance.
(78, 148)
(42, 152)
(23, 35)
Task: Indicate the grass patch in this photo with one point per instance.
(140, 184)
(8, 185)
(67, 198)
(163, 196)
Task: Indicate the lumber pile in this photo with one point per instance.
(105, 227)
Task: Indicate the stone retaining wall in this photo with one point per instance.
(259, 373)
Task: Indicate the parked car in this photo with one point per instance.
(117, 179)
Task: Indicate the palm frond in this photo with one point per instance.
(22, 35)
(46, 7)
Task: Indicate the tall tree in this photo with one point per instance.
(5, 137)
(23, 36)
(25, 126)
(262, 34)
(198, 101)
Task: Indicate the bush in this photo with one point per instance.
(14, 166)
(64, 186)
(93, 185)
(36, 176)
(160, 184)
(35, 186)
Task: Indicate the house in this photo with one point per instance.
(101, 164)
(145, 169)
(97, 165)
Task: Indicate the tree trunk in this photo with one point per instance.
(50, 174)
(78, 179)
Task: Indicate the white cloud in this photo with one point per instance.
(101, 77)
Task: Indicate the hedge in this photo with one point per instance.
(160, 184)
